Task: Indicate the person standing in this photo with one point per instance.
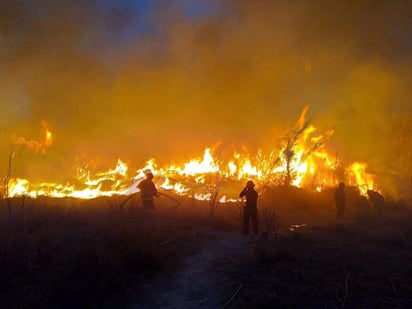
(147, 190)
(250, 209)
(378, 202)
(340, 201)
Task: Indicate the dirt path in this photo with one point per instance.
(197, 283)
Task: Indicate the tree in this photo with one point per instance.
(297, 137)
(6, 182)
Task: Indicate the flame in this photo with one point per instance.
(48, 136)
(19, 187)
(196, 167)
(359, 177)
(302, 118)
(182, 179)
(301, 156)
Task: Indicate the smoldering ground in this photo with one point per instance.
(164, 79)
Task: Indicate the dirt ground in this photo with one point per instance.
(195, 283)
(363, 263)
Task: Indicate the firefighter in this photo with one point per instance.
(340, 200)
(377, 201)
(250, 209)
(147, 190)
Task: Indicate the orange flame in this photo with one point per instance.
(309, 165)
(359, 177)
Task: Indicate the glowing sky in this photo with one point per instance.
(136, 79)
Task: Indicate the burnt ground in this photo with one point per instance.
(359, 263)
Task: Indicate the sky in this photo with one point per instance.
(140, 79)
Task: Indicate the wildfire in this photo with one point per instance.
(195, 167)
(359, 177)
(19, 187)
(299, 160)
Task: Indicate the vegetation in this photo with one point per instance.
(104, 252)
(67, 252)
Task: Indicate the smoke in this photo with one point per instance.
(137, 79)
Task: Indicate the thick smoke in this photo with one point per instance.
(164, 79)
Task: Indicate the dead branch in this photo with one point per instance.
(7, 182)
(394, 289)
(345, 297)
(233, 297)
(8, 176)
(21, 209)
(167, 242)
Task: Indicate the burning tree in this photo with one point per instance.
(297, 146)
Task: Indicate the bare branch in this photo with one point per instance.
(232, 297)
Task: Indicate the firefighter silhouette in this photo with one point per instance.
(377, 201)
(250, 208)
(147, 190)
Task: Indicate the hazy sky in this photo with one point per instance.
(136, 79)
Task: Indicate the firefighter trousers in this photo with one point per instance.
(249, 216)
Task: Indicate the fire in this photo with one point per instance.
(19, 187)
(359, 177)
(300, 160)
(242, 167)
(194, 167)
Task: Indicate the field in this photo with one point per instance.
(105, 253)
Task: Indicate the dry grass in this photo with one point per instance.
(70, 253)
(99, 253)
(351, 264)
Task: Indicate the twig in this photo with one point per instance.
(7, 183)
(345, 297)
(233, 297)
(167, 242)
(21, 210)
(393, 287)
(8, 203)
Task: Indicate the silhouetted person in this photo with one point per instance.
(250, 210)
(377, 201)
(147, 191)
(340, 201)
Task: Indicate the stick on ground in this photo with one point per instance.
(233, 297)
